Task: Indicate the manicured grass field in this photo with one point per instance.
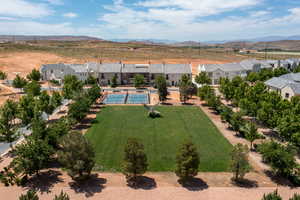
(161, 137)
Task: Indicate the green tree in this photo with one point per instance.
(280, 71)
(62, 196)
(236, 121)
(226, 113)
(226, 88)
(161, 84)
(288, 124)
(203, 78)
(251, 134)
(214, 102)
(77, 156)
(79, 108)
(35, 75)
(31, 156)
(295, 197)
(135, 161)
(56, 131)
(56, 99)
(185, 87)
(38, 127)
(239, 162)
(91, 80)
(26, 109)
(205, 92)
(71, 86)
(187, 161)
(8, 129)
(3, 75)
(19, 82)
(138, 80)
(280, 157)
(114, 81)
(252, 77)
(30, 195)
(272, 196)
(45, 103)
(94, 93)
(295, 139)
(33, 88)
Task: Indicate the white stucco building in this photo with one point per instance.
(125, 73)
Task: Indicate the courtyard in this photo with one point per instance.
(161, 137)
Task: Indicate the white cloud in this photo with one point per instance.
(70, 15)
(184, 20)
(34, 28)
(259, 13)
(22, 8)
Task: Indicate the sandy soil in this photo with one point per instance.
(23, 63)
(207, 186)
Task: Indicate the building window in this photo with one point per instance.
(116, 75)
(152, 76)
(102, 76)
(287, 95)
(167, 77)
(108, 82)
(210, 74)
(51, 71)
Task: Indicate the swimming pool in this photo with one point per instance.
(115, 99)
(137, 99)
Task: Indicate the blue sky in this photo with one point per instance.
(182, 20)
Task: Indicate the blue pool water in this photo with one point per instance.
(137, 99)
(131, 99)
(115, 99)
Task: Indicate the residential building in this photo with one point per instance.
(230, 70)
(287, 85)
(217, 71)
(125, 73)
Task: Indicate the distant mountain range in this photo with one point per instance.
(259, 39)
(196, 43)
(11, 38)
(270, 42)
(145, 41)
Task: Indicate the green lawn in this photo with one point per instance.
(161, 137)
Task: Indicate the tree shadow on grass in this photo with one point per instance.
(245, 183)
(44, 181)
(142, 182)
(194, 184)
(89, 187)
(187, 104)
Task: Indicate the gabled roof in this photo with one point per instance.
(295, 87)
(156, 69)
(177, 69)
(249, 64)
(135, 68)
(228, 67)
(292, 77)
(79, 68)
(277, 82)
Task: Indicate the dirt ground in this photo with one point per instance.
(23, 63)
